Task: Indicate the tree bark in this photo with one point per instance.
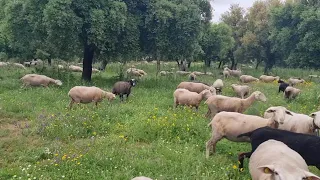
(103, 65)
(189, 64)
(220, 63)
(258, 63)
(87, 62)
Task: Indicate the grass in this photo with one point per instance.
(41, 139)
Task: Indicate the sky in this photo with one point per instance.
(221, 6)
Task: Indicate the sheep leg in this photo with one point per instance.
(208, 113)
(121, 97)
(241, 158)
(70, 104)
(211, 144)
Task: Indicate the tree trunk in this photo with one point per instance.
(258, 63)
(103, 65)
(189, 64)
(49, 60)
(270, 60)
(207, 63)
(87, 62)
(220, 63)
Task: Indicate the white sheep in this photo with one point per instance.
(294, 81)
(235, 73)
(164, 73)
(220, 103)
(141, 178)
(226, 74)
(248, 79)
(268, 79)
(241, 90)
(135, 72)
(75, 68)
(38, 80)
(218, 85)
(60, 66)
(85, 94)
(2, 64)
(275, 160)
(19, 65)
(186, 97)
(183, 72)
(196, 87)
(299, 123)
(231, 124)
(291, 92)
(192, 76)
(198, 73)
(94, 70)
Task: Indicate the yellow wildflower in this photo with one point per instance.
(234, 167)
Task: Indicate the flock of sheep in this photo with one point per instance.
(283, 142)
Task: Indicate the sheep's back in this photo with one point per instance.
(121, 88)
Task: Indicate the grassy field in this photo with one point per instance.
(41, 139)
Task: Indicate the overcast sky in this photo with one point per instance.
(221, 6)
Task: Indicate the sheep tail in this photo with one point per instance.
(248, 134)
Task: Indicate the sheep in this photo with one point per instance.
(196, 87)
(209, 73)
(38, 80)
(142, 72)
(192, 76)
(283, 85)
(27, 64)
(60, 66)
(299, 123)
(198, 73)
(164, 73)
(306, 145)
(218, 85)
(75, 68)
(248, 79)
(135, 72)
(141, 178)
(291, 92)
(186, 97)
(123, 88)
(220, 103)
(294, 81)
(268, 79)
(2, 64)
(275, 160)
(235, 73)
(241, 90)
(85, 94)
(182, 72)
(231, 124)
(19, 65)
(226, 74)
(94, 70)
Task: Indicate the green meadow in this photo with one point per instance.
(40, 138)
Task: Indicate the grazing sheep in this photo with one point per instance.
(196, 87)
(186, 97)
(306, 145)
(248, 79)
(141, 178)
(60, 66)
(135, 72)
(19, 65)
(2, 64)
(27, 64)
(75, 68)
(198, 73)
(299, 123)
(84, 94)
(209, 74)
(218, 85)
(38, 80)
(268, 79)
(235, 73)
(123, 88)
(275, 160)
(291, 92)
(192, 76)
(231, 124)
(94, 70)
(183, 72)
(294, 81)
(283, 85)
(220, 103)
(241, 90)
(226, 74)
(164, 73)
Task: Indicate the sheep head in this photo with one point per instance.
(206, 94)
(132, 82)
(109, 96)
(260, 96)
(278, 113)
(213, 90)
(277, 78)
(58, 82)
(316, 119)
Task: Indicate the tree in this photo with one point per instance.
(235, 18)
(216, 42)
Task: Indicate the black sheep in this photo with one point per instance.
(306, 145)
(123, 87)
(283, 85)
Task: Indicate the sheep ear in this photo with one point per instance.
(311, 176)
(312, 115)
(271, 111)
(267, 169)
(288, 112)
